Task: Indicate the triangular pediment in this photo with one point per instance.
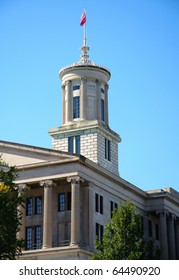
(20, 154)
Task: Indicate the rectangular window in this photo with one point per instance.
(29, 238)
(38, 205)
(76, 107)
(102, 90)
(77, 144)
(71, 147)
(113, 206)
(29, 206)
(61, 202)
(99, 203)
(38, 238)
(76, 87)
(99, 231)
(107, 149)
(102, 110)
(70, 144)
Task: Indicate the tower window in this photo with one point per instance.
(102, 110)
(74, 144)
(102, 90)
(107, 149)
(76, 87)
(76, 107)
(70, 144)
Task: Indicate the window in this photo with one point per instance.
(99, 203)
(74, 144)
(99, 231)
(113, 206)
(64, 202)
(33, 238)
(29, 206)
(38, 205)
(102, 110)
(70, 144)
(29, 238)
(102, 90)
(76, 87)
(61, 202)
(77, 142)
(37, 237)
(107, 149)
(76, 107)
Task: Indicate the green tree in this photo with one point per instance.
(10, 215)
(123, 238)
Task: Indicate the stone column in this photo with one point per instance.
(22, 188)
(63, 106)
(69, 102)
(83, 99)
(163, 234)
(177, 237)
(47, 215)
(75, 210)
(171, 237)
(106, 104)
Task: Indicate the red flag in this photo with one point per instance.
(83, 18)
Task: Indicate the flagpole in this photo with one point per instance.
(85, 29)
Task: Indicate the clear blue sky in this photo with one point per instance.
(138, 40)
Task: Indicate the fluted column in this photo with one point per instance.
(171, 237)
(22, 188)
(163, 234)
(69, 102)
(83, 99)
(106, 104)
(63, 106)
(47, 215)
(75, 210)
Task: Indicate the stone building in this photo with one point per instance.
(73, 188)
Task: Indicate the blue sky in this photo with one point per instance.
(138, 40)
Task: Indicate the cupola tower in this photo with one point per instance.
(85, 124)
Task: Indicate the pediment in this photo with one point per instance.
(20, 154)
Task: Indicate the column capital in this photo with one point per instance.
(171, 217)
(75, 179)
(47, 184)
(22, 188)
(162, 213)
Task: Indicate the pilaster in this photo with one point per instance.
(163, 234)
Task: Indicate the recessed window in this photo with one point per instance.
(29, 206)
(102, 110)
(99, 203)
(64, 202)
(102, 90)
(76, 107)
(113, 206)
(33, 237)
(99, 231)
(107, 149)
(38, 205)
(74, 144)
(76, 87)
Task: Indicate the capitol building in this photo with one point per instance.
(72, 188)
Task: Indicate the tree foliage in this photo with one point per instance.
(10, 215)
(123, 238)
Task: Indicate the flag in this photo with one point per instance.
(83, 18)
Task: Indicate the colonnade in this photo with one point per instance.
(48, 211)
